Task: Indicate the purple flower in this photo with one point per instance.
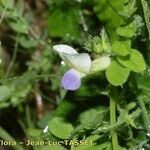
(71, 80)
(79, 62)
(81, 65)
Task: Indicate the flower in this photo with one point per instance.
(80, 64)
(71, 80)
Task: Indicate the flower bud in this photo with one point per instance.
(100, 63)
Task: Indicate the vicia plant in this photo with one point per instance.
(81, 65)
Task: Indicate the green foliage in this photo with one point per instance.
(97, 147)
(19, 26)
(99, 44)
(54, 147)
(135, 62)
(144, 83)
(111, 108)
(66, 23)
(4, 92)
(127, 31)
(106, 12)
(57, 125)
(26, 43)
(92, 118)
(121, 48)
(117, 74)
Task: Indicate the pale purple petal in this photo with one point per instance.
(71, 80)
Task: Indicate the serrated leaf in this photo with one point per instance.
(135, 62)
(60, 128)
(121, 48)
(128, 30)
(117, 74)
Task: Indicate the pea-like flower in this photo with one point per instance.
(80, 64)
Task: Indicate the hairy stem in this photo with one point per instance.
(13, 60)
(113, 122)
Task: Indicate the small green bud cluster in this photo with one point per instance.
(99, 44)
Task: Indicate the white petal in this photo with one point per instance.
(80, 62)
(62, 48)
(100, 63)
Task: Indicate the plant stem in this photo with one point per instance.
(13, 59)
(145, 113)
(113, 123)
(28, 117)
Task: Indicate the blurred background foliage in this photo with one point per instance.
(33, 104)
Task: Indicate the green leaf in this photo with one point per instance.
(4, 92)
(43, 121)
(126, 117)
(107, 12)
(128, 30)
(129, 9)
(53, 147)
(90, 138)
(121, 48)
(60, 128)
(135, 62)
(90, 119)
(19, 92)
(117, 74)
(102, 146)
(33, 132)
(7, 3)
(131, 105)
(64, 24)
(26, 43)
(19, 25)
(64, 108)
